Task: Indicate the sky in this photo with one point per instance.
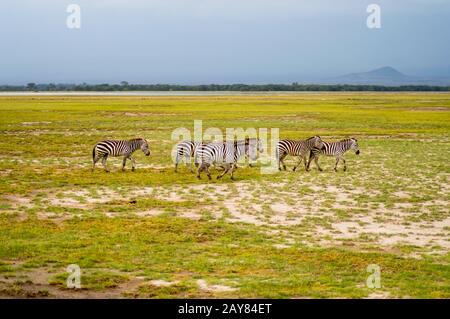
(219, 41)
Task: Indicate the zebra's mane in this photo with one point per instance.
(138, 139)
(310, 138)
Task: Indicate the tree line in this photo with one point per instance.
(125, 86)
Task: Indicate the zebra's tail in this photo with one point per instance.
(93, 152)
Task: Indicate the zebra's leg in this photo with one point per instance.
(104, 162)
(133, 163)
(233, 167)
(277, 154)
(281, 162)
(309, 160)
(345, 164)
(226, 169)
(208, 173)
(187, 158)
(298, 163)
(123, 163)
(247, 159)
(305, 162)
(196, 162)
(177, 160)
(316, 161)
(94, 161)
(337, 161)
(200, 169)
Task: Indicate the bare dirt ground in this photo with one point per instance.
(278, 206)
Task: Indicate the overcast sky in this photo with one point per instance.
(219, 41)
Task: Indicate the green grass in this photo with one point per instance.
(181, 250)
(54, 210)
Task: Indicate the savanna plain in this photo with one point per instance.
(154, 233)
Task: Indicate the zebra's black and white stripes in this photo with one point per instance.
(296, 148)
(226, 154)
(336, 149)
(114, 148)
(186, 150)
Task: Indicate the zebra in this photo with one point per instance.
(336, 149)
(296, 148)
(124, 148)
(186, 149)
(227, 154)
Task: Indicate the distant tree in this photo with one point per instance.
(31, 86)
(125, 86)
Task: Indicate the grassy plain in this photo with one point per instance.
(155, 233)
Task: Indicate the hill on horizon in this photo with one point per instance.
(386, 75)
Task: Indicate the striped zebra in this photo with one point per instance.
(226, 154)
(336, 149)
(296, 148)
(124, 148)
(186, 149)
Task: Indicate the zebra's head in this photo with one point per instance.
(144, 147)
(354, 145)
(317, 142)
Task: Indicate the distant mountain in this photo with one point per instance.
(384, 72)
(385, 76)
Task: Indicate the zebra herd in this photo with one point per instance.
(314, 146)
(227, 154)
